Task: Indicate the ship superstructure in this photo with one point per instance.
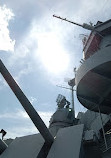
(93, 82)
(89, 134)
(93, 76)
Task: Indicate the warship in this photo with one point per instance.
(89, 134)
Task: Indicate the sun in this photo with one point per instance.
(51, 54)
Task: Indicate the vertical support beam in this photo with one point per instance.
(72, 92)
(26, 105)
(102, 128)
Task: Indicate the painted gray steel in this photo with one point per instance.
(67, 143)
(93, 80)
(100, 57)
(3, 146)
(24, 147)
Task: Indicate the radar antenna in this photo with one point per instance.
(71, 83)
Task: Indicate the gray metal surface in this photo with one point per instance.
(93, 80)
(8, 141)
(67, 143)
(3, 146)
(100, 57)
(63, 117)
(24, 147)
(104, 26)
(89, 135)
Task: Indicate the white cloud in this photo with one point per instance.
(26, 70)
(23, 126)
(21, 51)
(19, 114)
(3, 83)
(45, 116)
(24, 130)
(42, 44)
(32, 99)
(51, 54)
(49, 51)
(6, 43)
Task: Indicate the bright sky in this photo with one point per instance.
(40, 51)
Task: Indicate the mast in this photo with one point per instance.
(84, 25)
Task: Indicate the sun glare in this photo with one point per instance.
(51, 54)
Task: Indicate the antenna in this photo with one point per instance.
(71, 83)
(84, 25)
(63, 87)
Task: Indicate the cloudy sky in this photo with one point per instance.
(40, 52)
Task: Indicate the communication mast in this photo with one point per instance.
(71, 83)
(84, 25)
